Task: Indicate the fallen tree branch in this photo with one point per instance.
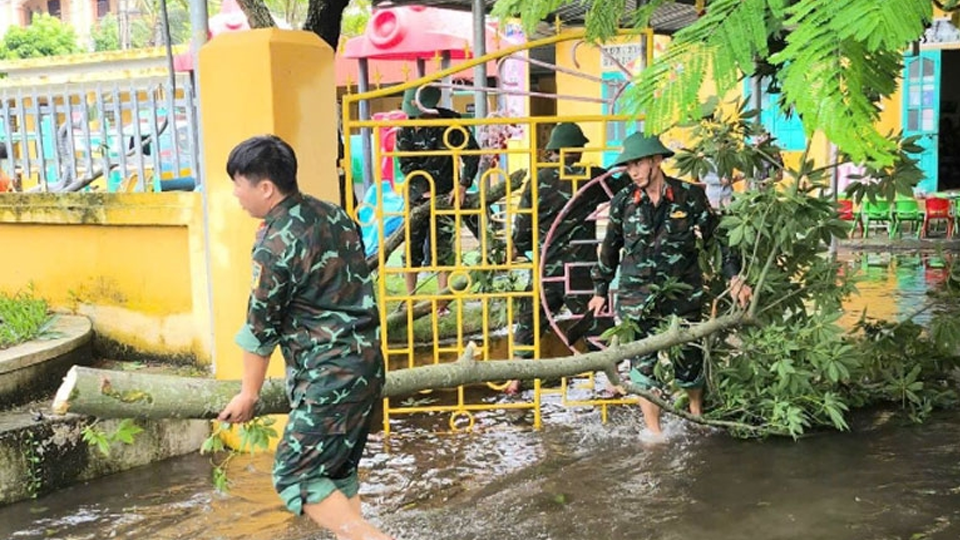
(123, 394)
(98, 171)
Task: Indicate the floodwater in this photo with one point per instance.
(576, 479)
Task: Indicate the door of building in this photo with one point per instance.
(921, 111)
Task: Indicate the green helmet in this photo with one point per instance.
(639, 146)
(429, 97)
(566, 135)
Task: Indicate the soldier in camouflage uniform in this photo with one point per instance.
(574, 237)
(313, 296)
(659, 223)
(434, 176)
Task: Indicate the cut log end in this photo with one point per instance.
(61, 402)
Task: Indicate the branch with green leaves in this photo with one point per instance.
(834, 61)
(254, 436)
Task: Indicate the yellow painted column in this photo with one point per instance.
(253, 83)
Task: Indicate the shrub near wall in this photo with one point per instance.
(23, 316)
(134, 263)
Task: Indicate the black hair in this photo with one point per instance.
(265, 157)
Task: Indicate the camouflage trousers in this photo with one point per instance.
(687, 364)
(320, 451)
(556, 297)
(440, 234)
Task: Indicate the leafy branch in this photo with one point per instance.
(254, 437)
(123, 433)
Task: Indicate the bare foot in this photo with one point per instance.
(649, 437)
(612, 392)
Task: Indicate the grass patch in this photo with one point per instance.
(23, 316)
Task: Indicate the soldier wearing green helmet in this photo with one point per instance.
(574, 235)
(661, 224)
(442, 175)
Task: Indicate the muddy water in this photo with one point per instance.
(575, 480)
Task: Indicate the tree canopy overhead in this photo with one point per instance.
(833, 60)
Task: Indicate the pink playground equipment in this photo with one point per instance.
(230, 19)
(388, 141)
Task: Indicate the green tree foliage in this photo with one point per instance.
(106, 34)
(797, 368)
(355, 18)
(290, 11)
(46, 36)
(146, 30)
(833, 60)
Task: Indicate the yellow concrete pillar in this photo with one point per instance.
(253, 83)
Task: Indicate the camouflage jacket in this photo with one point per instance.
(574, 238)
(659, 243)
(313, 295)
(439, 167)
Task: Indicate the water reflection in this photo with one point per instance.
(577, 479)
(893, 284)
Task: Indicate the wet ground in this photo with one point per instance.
(576, 479)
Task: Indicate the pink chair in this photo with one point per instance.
(937, 209)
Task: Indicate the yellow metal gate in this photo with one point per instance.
(487, 280)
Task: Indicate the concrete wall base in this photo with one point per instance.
(41, 454)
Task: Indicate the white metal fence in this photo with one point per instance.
(138, 134)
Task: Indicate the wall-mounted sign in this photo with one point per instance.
(629, 55)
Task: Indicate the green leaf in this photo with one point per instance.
(220, 481)
(212, 444)
(126, 431)
(835, 409)
(94, 436)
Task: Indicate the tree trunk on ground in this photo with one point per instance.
(125, 394)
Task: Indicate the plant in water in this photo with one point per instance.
(794, 368)
(254, 436)
(23, 316)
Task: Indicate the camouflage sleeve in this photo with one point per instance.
(408, 164)
(523, 228)
(709, 224)
(272, 289)
(609, 259)
(471, 163)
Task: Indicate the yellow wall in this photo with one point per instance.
(287, 87)
(133, 263)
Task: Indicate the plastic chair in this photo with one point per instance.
(845, 209)
(878, 211)
(936, 210)
(906, 210)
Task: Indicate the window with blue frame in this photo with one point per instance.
(787, 129)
